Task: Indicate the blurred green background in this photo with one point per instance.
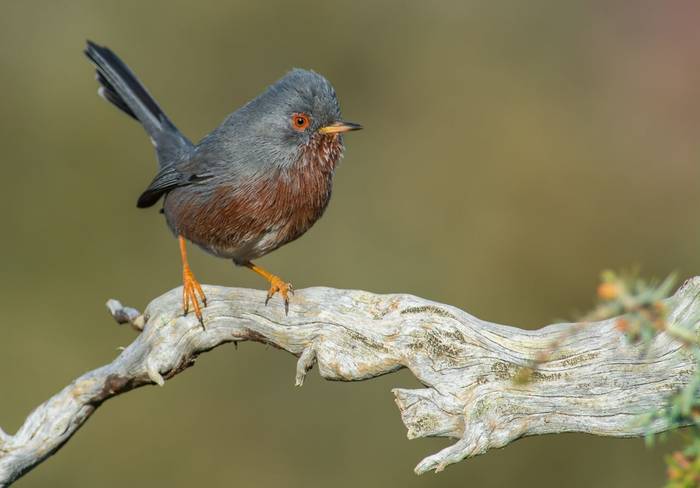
(512, 150)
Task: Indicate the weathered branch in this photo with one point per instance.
(593, 382)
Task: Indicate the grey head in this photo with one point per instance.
(289, 117)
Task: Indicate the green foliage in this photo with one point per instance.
(684, 466)
(640, 301)
(643, 315)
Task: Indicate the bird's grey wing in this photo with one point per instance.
(213, 156)
(166, 179)
(187, 172)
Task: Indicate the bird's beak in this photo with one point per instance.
(339, 127)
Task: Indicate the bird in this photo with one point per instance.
(256, 182)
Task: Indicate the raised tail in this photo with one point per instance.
(120, 87)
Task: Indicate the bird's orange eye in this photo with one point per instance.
(300, 121)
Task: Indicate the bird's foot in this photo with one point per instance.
(191, 294)
(277, 285)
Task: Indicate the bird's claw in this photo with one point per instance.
(191, 294)
(281, 287)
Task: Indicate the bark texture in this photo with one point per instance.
(593, 381)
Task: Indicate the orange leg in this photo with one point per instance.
(191, 289)
(276, 285)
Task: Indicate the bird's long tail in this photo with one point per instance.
(120, 87)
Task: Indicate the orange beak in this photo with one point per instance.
(339, 127)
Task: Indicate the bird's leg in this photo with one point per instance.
(276, 285)
(191, 289)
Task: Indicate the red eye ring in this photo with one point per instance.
(300, 121)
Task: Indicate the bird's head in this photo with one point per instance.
(296, 114)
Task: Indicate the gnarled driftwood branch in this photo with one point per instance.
(593, 382)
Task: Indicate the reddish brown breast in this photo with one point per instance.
(253, 218)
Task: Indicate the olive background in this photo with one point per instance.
(512, 150)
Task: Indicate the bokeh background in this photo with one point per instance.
(512, 151)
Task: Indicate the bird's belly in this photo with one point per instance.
(242, 225)
(244, 248)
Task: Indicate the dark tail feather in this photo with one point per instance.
(108, 92)
(121, 87)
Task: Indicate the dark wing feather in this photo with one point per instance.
(167, 179)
